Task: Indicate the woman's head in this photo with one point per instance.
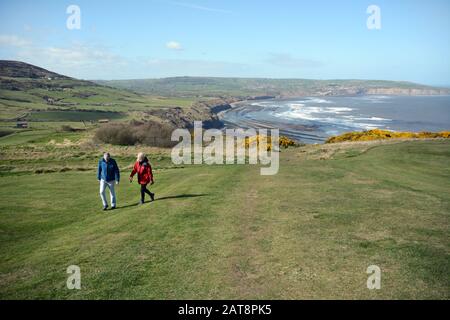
(140, 156)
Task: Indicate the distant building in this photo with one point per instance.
(22, 124)
(103, 120)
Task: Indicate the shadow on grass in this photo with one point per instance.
(180, 196)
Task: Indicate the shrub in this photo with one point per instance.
(149, 133)
(424, 135)
(67, 128)
(154, 134)
(283, 141)
(286, 142)
(378, 134)
(5, 133)
(444, 134)
(120, 134)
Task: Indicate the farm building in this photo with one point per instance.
(22, 124)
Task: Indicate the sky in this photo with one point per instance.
(322, 39)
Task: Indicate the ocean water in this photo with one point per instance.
(314, 119)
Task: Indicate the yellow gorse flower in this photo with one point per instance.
(284, 142)
(378, 134)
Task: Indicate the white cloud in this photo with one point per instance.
(77, 60)
(93, 61)
(13, 41)
(174, 45)
(75, 55)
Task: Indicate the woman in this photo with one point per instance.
(145, 175)
(107, 174)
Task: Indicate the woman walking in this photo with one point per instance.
(145, 175)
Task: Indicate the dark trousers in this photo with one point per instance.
(144, 191)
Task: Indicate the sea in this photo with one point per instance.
(314, 119)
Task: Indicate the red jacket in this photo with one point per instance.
(144, 172)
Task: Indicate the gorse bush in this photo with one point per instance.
(148, 133)
(286, 142)
(378, 134)
(283, 141)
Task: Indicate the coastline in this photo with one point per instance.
(313, 119)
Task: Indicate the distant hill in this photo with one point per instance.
(18, 69)
(32, 93)
(21, 76)
(25, 88)
(242, 87)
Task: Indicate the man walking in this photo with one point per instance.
(108, 174)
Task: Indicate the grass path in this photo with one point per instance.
(227, 232)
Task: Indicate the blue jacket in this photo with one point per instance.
(108, 171)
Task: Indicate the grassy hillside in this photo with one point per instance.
(225, 231)
(25, 89)
(310, 231)
(48, 101)
(243, 87)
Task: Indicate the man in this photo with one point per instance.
(108, 174)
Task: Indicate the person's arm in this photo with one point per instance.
(133, 172)
(99, 171)
(117, 172)
(151, 173)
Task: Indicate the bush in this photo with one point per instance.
(116, 134)
(154, 134)
(377, 134)
(283, 141)
(67, 128)
(445, 134)
(286, 142)
(5, 133)
(149, 133)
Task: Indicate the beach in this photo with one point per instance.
(314, 119)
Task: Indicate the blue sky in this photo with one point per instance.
(277, 39)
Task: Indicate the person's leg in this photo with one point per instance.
(152, 195)
(143, 188)
(102, 193)
(112, 193)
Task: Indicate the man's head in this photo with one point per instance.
(106, 156)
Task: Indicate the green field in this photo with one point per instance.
(226, 231)
(48, 105)
(36, 94)
(73, 116)
(15, 103)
